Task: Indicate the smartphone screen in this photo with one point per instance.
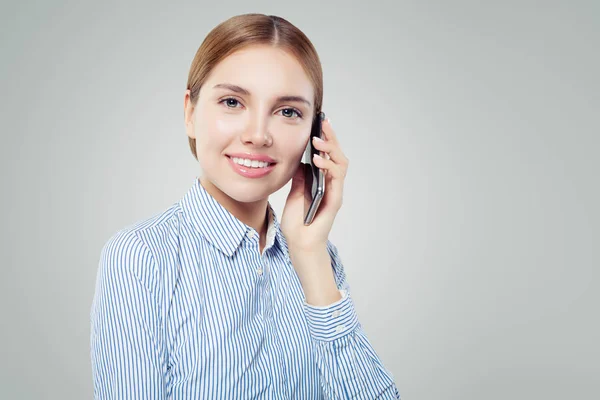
(314, 176)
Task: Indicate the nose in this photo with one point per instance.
(257, 133)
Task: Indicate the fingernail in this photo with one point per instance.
(318, 156)
(317, 139)
(329, 121)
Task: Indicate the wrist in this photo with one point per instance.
(313, 267)
(307, 250)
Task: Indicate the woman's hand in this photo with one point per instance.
(302, 238)
(307, 244)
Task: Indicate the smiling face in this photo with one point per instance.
(257, 104)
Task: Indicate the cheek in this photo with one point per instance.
(293, 150)
(298, 145)
(215, 133)
(228, 127)
(291, 140)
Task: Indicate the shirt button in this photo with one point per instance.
(259, 271)
(340, 328)
(250, 234)
(336, 313)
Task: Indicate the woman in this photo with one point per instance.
(214, 298)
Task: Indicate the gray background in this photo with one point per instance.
(470, 226)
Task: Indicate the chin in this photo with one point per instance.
(243, 196)
(245, 192)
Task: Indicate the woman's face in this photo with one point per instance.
(256, 102)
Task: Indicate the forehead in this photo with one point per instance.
(265, 70)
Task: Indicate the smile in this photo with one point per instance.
(250, 168)
(250, 163)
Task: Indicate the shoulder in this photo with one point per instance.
(124, 249)
(131, 250)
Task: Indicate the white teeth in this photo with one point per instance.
(250, 163)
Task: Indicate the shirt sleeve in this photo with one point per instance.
(348, 365)
(125, 350)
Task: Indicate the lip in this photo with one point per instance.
(249, 156)
(248, 172)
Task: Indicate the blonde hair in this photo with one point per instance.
(251, 29)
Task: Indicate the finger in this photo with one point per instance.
(335, 182)
(330, 167)
(331, 137)
(331, 149)
(328, 131)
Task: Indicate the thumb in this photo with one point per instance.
(298, 182)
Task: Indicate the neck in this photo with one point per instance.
(253, 214)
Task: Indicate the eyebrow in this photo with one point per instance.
(241, 90)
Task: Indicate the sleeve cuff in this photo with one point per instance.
(331, 322)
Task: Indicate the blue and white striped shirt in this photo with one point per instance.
(186, 307)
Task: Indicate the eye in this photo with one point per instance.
(291, 111)
(230, 102)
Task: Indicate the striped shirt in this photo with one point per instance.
(187, 307)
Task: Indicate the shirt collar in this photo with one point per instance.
(221, 228)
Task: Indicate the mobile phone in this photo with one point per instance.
(314, 177)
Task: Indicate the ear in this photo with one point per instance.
(188, 112)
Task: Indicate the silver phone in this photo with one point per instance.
(314, 187)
